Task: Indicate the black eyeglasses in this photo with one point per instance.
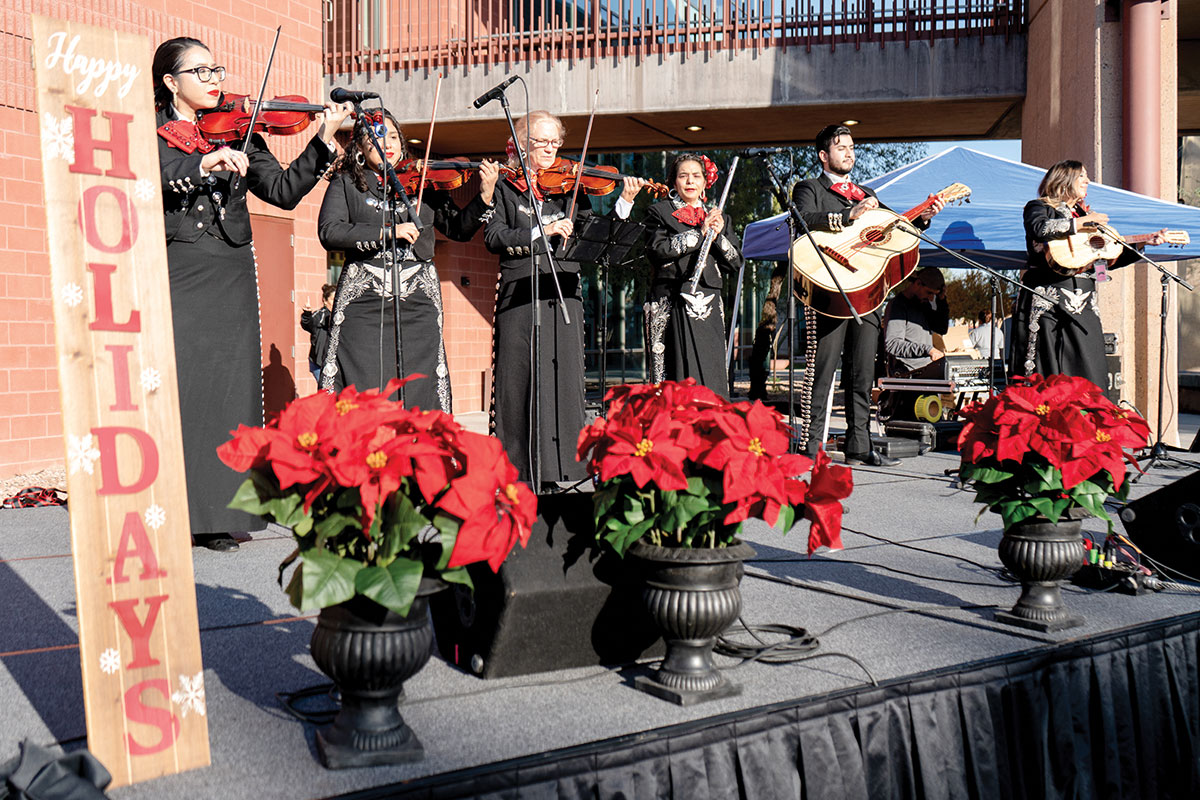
(203, 74)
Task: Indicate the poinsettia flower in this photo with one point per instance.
(746, 454)
(647, 454)
(496, 510)
(247, 449)
(297, 454)
(829, 485)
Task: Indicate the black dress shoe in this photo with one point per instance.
(872, 459)
(220, 542)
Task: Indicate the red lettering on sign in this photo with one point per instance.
(87, 219)
(110, 479)
(135, 543)
(121, 385)
(162, 718)
(139, 631)
(86, 146)
(102, 276)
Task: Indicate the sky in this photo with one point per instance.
(1004, 148)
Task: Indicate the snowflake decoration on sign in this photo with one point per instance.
(155, 516)
(71, 294)
(58, 138)
(190, 695)
(151, 380)
(143, 189)
(82, 454)
(110, 661)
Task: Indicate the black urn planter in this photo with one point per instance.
(1043, 554)
(369, 651)
(692, 595)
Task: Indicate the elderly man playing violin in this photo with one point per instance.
(210, 261)
(539, 384)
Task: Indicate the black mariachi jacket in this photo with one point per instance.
(193, 204)
(672, 247)
(1044, 222)
(352, 221)
(509, 226)
(823, 209)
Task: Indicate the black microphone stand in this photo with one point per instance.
(391, 212)
(1158, 453)
(795, 220)
(535, 211)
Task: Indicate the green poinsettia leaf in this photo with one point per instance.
(458, 575)
(326, 579)
(984, 474)
(331, 525)
(250, 495)
(604, 499)
(632, 509)
(394, 587)
(447, 528)
(401, 525)
(787, 519)
(622, 540)
(1014, 511)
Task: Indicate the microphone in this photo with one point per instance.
(764, 151)
(340, 95)
(495, 93)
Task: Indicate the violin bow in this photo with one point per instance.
(262, 90)
(437, 92)
(583, 155)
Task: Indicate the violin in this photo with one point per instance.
(562, 175)
(230, 120)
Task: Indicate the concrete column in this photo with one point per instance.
(1142, 81)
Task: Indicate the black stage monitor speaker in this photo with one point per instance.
(1166, 524)
(562, 602)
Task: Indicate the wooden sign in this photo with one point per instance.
(139, 637)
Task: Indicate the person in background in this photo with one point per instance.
(981, 336)
(316, 322)
(913, 317)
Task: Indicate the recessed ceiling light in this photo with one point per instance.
(850, 122)
(694, 128)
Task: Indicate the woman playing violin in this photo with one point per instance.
(1061, 333)
(210, 260)
(686, 330)
(513, 234)
(362, 339)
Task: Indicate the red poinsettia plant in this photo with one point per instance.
(378, 496)
(1046, 445)
(684, 467)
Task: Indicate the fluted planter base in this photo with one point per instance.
(692, 596)
(369, 652)
(1042, 554)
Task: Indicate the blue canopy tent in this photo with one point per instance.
(989, 229)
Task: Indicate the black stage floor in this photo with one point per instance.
(962, 706)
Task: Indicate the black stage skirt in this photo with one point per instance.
(1061, 335)
(687, 347)
(559, 375)
(365, 349)
(218, 358)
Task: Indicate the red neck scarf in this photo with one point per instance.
(849, 191)
(690, 215)
(182, 134)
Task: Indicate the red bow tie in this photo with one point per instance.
(690, 215)
(849, 191)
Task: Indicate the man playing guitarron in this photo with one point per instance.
(831, 202)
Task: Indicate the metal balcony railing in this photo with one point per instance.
(372, 35)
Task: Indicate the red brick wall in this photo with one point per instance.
(239, 32)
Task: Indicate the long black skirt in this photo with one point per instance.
(218, 360)
(559, 376)
(688, 347)
(1060, 334)
(363, 345)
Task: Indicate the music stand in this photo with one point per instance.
(605, 242)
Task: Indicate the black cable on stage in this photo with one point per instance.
(871, 564)
(886, 540)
